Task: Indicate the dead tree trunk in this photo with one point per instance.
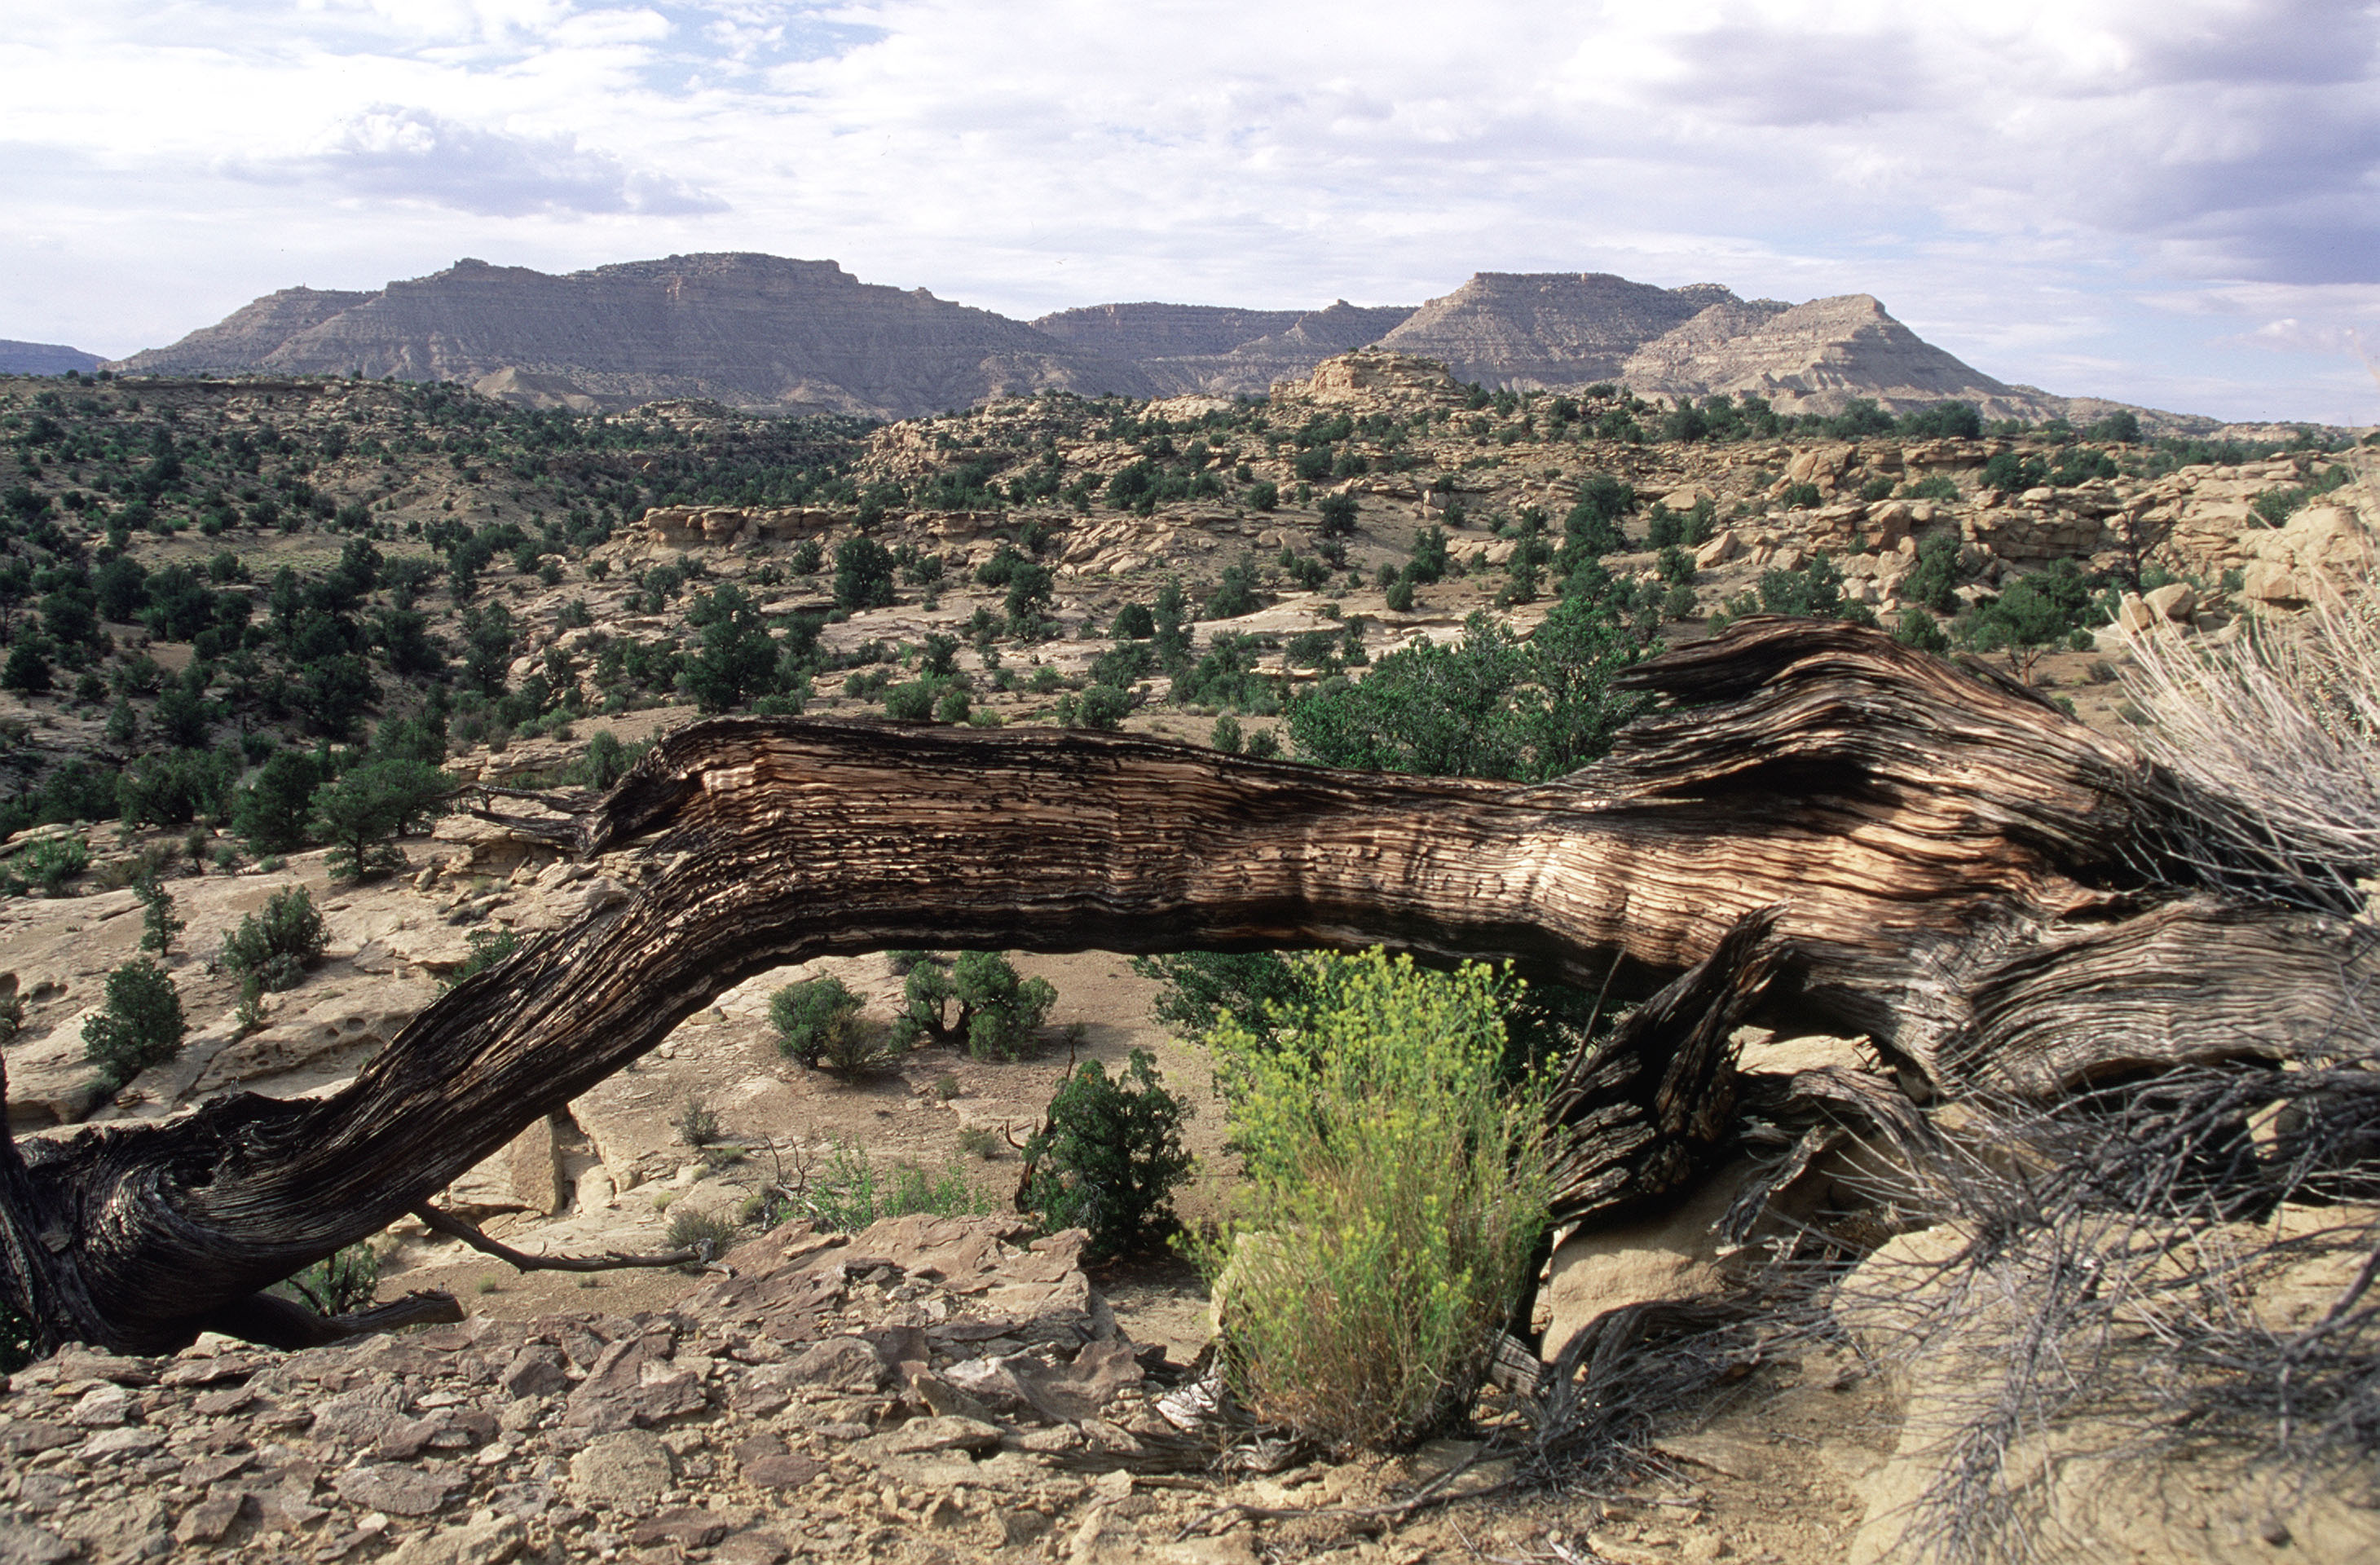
(1998, 895)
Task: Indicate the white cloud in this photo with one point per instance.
(411, 155)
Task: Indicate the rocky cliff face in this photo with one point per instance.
(1531, 331)
(752, 331)
(1141, 332)
(246, 337)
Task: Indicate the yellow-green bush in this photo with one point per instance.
(1396, 1186)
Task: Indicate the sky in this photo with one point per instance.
(2173, 202)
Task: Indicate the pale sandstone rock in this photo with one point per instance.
(1724, 546)
(2175, 600)
(1673, 1254)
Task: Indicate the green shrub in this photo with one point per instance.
(1108, 1156)
(1395, 1191)
(607, 758)
(980, 1001)
(1101, 706)
(1935, 486)
(373, 803)
(851, 1192)
(16, 1339)
(158, 923)
(1225, 736)
(2012, 472)
(274, 949)
(340, 1283)
(1003, 1011)
(697, 1124)
(52, 862)
(1801, 497)
(141, 1025)
(811, 1018)
(1943, 420)
(912, 702)
(709, 1237)
(271, 814)
(483, 949)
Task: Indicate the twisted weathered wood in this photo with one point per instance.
(1963, 874)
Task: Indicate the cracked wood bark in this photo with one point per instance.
(1996, 893)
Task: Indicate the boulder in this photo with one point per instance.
(2273, 584)
(629, 1468)
(1724, 546)
(524, 1176)
(1671, 1255)
(2175, 600)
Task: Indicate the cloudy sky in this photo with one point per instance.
(2172, 202)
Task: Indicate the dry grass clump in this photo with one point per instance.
(2180, 1268)
(2276, 732)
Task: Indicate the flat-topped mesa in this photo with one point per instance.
(1540, 330)
(755, 332)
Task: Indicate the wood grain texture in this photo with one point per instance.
(1982, 885)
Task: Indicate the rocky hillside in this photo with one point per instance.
(752, 331)
(764, 333)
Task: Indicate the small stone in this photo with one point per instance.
(101, 1407)
(1022, 1526)
(781, 1472)
(749, 1549)
(842, 1364)
(922, 1435)
(31, 1436)
(631, 1467)
(21, 1544)
(537, 1370)
(206, 1472)
(109, 1445)
(685, 1527)
(209, 1520)
(406, 1491)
